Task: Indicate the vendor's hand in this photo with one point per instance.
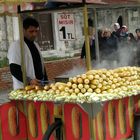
(35, 82)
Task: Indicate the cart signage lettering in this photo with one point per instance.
(66, 26)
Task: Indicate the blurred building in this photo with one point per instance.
(49, 40)
(130, 17)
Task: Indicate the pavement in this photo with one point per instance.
(4, 96)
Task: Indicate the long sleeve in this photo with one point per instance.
(16, 71)
(45, 75)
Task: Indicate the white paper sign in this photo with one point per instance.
(66, 26)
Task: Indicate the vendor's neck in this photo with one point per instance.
(27, 40)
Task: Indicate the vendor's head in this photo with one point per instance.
(30, 28)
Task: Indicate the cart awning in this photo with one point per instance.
(98, 1)
(13, 8)
(77, 1)
(10, 6)
(121, 1)
(19, 1)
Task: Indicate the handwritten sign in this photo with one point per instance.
(66, 26)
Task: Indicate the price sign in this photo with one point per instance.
(66, 26)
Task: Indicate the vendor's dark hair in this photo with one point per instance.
(30, 21)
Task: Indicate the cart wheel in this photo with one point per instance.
(55, 126)
(137, 127)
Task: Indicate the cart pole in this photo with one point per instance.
(88, 58)
(96, 37)
(21, 38)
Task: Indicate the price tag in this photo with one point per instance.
(66, 26)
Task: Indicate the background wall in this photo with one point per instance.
(54, 69)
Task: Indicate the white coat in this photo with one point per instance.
(14, 56)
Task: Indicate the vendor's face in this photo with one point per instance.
(31, 33)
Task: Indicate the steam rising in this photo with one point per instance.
(126, 57)
(75, 71)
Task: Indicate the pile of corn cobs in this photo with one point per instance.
(93, 86)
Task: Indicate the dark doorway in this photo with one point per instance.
(45, 38)
(120, 20)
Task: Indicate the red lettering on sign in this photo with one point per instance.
(65, 16)
(66, 22)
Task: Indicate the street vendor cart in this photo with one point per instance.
(68, 115)
(96, 105)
